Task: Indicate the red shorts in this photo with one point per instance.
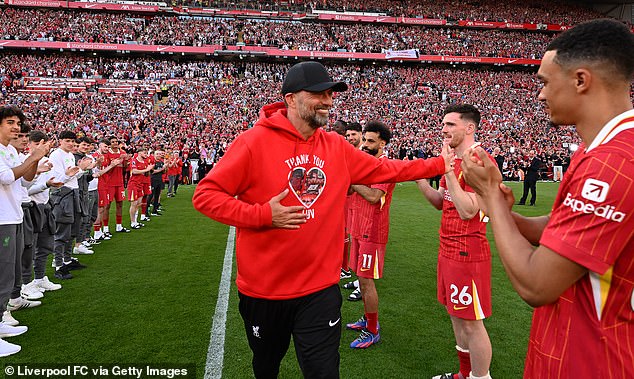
(117, 193)
(135, 190)
(464, 288)
(147, 189)
(366, 258)
(104, 197)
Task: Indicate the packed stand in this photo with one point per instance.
(52, 25)
(535, 11)
(408, 99)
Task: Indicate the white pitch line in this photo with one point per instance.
(216, 351)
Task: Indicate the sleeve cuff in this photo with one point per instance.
(574, 254)
(266, 215)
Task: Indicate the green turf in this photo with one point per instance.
(149, 297)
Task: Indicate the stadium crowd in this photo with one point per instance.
(534, 11)
(409, 99)
(53, 25)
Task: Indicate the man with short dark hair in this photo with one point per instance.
(84, 147)
(25, 294)
(105, 165)
(156, 181)
(353, 135)
(65, 202)
(464, 255)
(114, 181)
(43, 222)
(139, 169)
(283, 183)
(369, 229)
(531, 174)
(12, 170)
(580, 276)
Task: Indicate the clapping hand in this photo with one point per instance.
(44, 167)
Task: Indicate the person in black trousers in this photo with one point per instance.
(530, 178)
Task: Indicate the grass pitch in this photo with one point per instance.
(148, 297)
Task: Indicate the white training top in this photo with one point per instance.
(10, 188)
(62, 161)
(39, 191)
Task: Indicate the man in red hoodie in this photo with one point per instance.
(283, 184)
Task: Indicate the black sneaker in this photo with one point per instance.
(350, 285)
(92, 241)
(345, 274)
(107, 235)
(123, 230)
(137, 226)
(63, 273)
(74, 265)
(155, 214)
(355, 295)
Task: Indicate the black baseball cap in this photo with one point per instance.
(312, 77)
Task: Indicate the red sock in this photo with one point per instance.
(144, 205)
(345, 263)
(465, 363)
(96, 226)
(373, 322)
(119, 219)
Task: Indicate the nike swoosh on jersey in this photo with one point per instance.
(334, 323)
(459, 308)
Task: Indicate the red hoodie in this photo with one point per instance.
(271, 157)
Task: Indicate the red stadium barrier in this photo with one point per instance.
(254, 50)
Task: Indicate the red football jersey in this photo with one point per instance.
(138, 164)
(115, 175)
(347, 210)
(589, 330)
(105, 162)
(150, 160)
(371, 222)
(461, 240)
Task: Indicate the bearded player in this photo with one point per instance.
(368, 236)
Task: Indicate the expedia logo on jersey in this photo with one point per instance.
(596, 191)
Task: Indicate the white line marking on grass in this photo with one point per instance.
(216, 351)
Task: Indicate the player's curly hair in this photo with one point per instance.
(378, 127)
(603, 42)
